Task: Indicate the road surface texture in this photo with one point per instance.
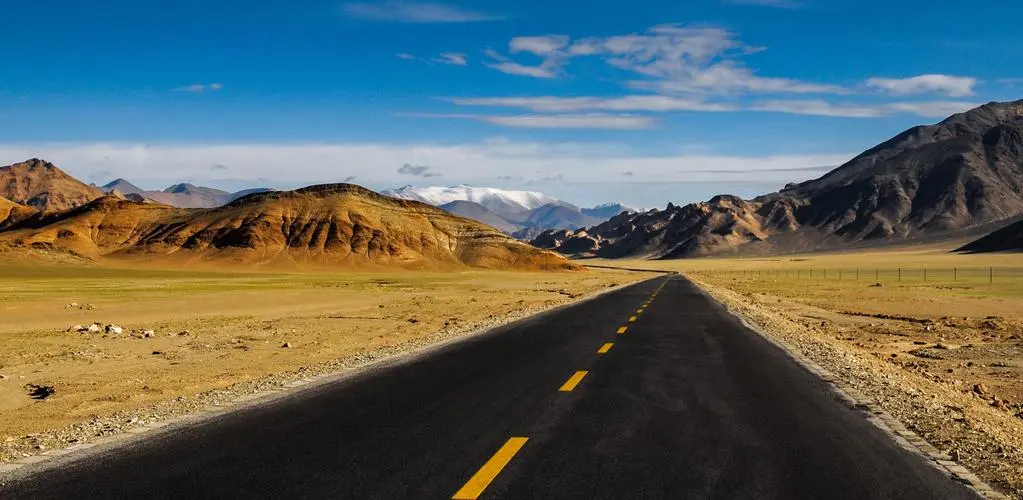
(651, 391)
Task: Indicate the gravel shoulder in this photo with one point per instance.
(959, 416)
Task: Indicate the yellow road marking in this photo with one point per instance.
(632, 319)
(479, 481)
(573, 381)
(622, 330)
(604, 348)
(639, 311)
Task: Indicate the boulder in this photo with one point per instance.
(114, 329)
(93, 328)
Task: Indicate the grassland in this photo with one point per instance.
(944, 356)
(240, 326)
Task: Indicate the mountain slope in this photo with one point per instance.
(11, 213)
(930, 181)
(185, 195)
(43, 186)
(338, 224)
(479, 213)
(559, 216)
(122, 186)
(1007, 239)
(607, 210)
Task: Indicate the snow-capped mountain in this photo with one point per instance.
(501, 201)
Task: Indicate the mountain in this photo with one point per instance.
(607, 210)
(121, 185)
(929, 181)
(183, 195)
(11, 213)
(1007, 239)
(335, 224)
(479, 213)
(500, 201)
(44, 187)
(559, 216)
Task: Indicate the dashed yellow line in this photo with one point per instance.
(639, 311)
(622, 330)
(573, 381)
(479, 481)
(632, 319)
(606, 347)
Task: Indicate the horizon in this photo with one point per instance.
(635, 105)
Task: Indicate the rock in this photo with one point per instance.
(76, 328)
(157, 353)
(876, 285)
(40, 391)
(148, 333)
(941, 346)
(980, 389)
(40, 447)
(182, 333)
(955, 456)
(3, 377)
(88, 307)
(93, 328)
(928, 328)
(113, 329)
(286, 345)
(919, 342)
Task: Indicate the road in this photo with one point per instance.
(685, 402)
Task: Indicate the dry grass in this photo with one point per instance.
(237, 324)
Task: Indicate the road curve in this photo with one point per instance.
(685, 402)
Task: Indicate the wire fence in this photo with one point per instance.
(883, 274)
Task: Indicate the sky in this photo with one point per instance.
(645, 102)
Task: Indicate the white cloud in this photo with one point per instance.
(405, 55)
(199, 87)
(928, 109)
(551, 104)
(660, 103)
(414, 12)
(818, 108)
(952, 86)
(668, 58)
(378, 164)
(539, 45)
(513, 68)
(451, 58)
(562, 121)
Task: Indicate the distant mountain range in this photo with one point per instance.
(963, 173)
(334, 224)
(523, 214)
(183, 195)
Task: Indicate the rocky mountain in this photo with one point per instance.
(183, 195)
(122, 186)
(928, 181)
(11, 213)
(559, 216)
(1006, 239)
(43, 186)
(500, 201)
(332, 225)
(479, 213)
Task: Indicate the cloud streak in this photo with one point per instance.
(197, 88)
(555, 121)
(952, 86)
(415, 12)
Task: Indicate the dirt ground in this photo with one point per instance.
(216, 330)
(944, 356)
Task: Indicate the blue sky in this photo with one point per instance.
(643, 101)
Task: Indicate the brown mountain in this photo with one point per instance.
(337, 224)
(43, 186)
(1006, 239)
(11, 213)
(929, 181)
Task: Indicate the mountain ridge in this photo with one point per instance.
(963, 172)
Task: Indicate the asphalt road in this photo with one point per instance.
(687, 403)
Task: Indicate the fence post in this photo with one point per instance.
(900, 274)
(955, 274)
(839, 275)
(925, 274)
(990, 275)
(857, 274)
(825, 273)
(876, 278)
(811, 274)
